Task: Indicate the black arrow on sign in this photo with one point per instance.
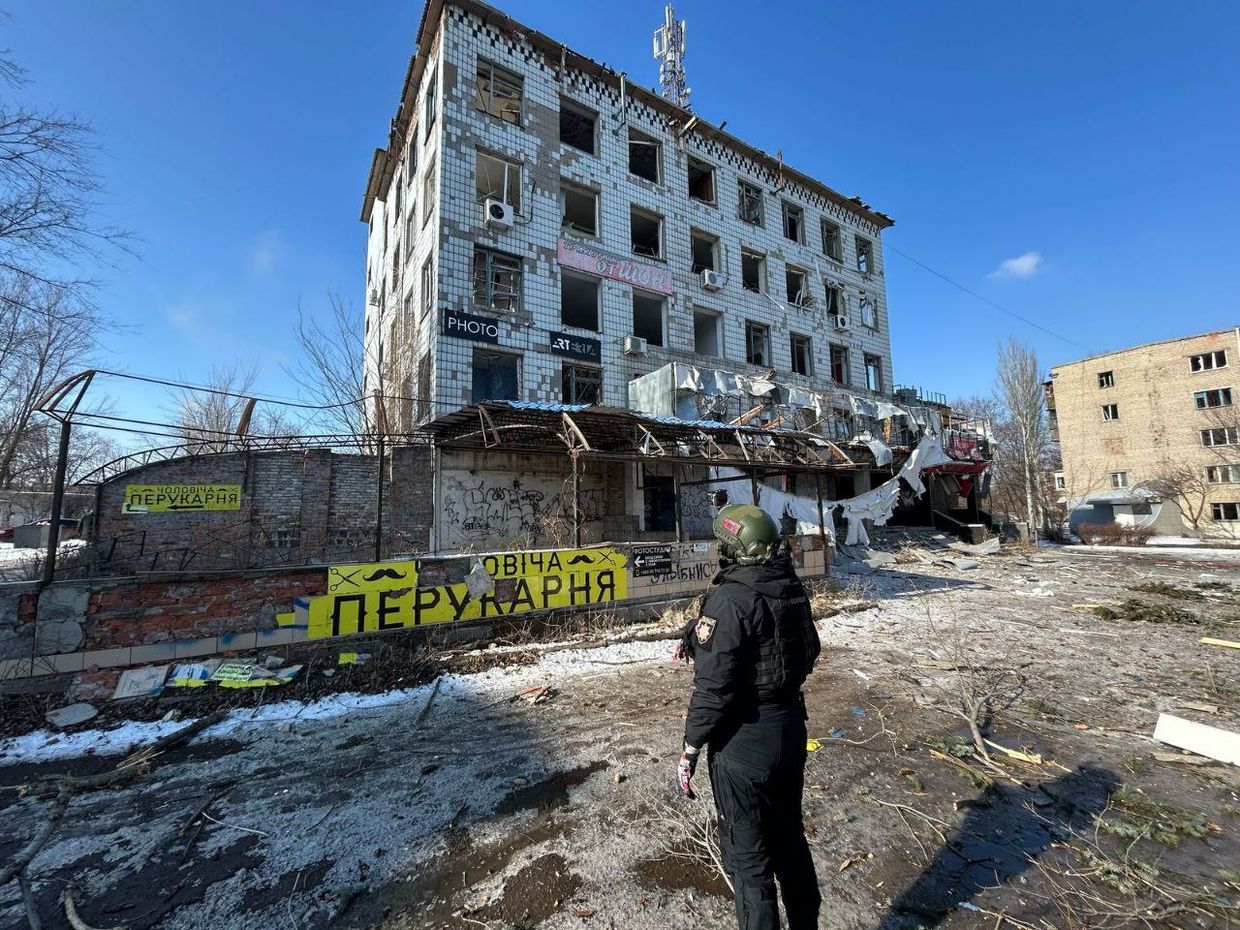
(187, 507)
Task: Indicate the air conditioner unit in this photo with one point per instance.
(840, 321)
(634, 345)
(713, 280)
(497, 214)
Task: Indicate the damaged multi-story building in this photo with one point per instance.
(604, 308)
(1149, 436)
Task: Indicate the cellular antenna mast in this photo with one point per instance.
(669, 51)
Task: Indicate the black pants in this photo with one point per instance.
(758, 777)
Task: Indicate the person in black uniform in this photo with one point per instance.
(753, 645)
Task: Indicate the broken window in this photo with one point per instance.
(497, 281)
(579, 301)
(874, 373)
(701, 180)
(802, 355)
(1229, 512)
(400, 189)
(1106, 379)
(865, 255)
(1204, 362)
(428, 286)
(430, 104)
(579, 209)
(835, 299)
(1110, 411)
(648, 318)
(1119, 479)
(757, 343)
(582, 384)
(869, 316)
(646, 232)
(832, 240)
(497, 179)
(644, 156)
(753, 271)
(1223, 474)
(794, 222)
(706, 333)
(705, 249)
(1220, 436)
(577, 126)
(498, 92)
(796, 283)
(839, 364)
(411, 238)
(497, 376)
(1219, 397)
(750, 204)
(1060, 483)
(428, 192)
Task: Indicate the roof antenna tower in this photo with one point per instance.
(669, 51)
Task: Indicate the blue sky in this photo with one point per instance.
(1093, 143)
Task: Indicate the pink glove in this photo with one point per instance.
(684, 773)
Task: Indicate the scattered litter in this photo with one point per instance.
(862, 675)
(141, 682)
(172, 716)
(193, 674)
(1031, 758)
(1086, 606)
(1201, 706)
(813, 745)
(352, 658)
(837, 734)
(617, 778)
(1226, 643)
(853, 860)
(539, 695)
(1205, 740)
(963, 565)
(328, 672)
(1149, 612)
(272, 662)
(478, 582)
(249, 675)
(71, 715)
(968, 906)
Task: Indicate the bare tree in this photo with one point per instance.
(213, 416)
(1187, 484)
(1020, 387)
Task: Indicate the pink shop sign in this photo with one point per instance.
(584, 258)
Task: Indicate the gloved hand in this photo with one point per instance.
(684, 771)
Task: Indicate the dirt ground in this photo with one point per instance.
(464, 804)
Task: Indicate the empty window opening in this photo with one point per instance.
(1223, 474)
(794, 222)
(497, 179)
(869, 316)
(646, 232)
(430, 105)
(757, 343)
(1106, 379)
(750, 203)
(832, 241)
(701, 180)
(648, 318)
(497, 376)
(802, 355)
(579, 207)
(753, 271)
(705, 250)
(706, 333)
(498, 92)
(1229, 512)
(1110, 411)
(1220, 436)
(835, 300)
(874, 373)
(658, 502)
(1060, 483)
(865, 255)
(429, 186)
(1119, 479)
(796, 283)
(1219, 397)
(1206, 361)
(497, 281)
(428, 286)
(579, 301)
(582, 384)
(644, 156)
(577, 126)
(839, 364)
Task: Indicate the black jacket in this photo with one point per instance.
(754, 644)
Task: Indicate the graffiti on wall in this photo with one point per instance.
(477, 509)
(387, 596)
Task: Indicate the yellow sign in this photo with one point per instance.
(386, 596)
(175, 498)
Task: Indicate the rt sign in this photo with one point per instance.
(178, 498)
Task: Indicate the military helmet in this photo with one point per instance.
(746, 534)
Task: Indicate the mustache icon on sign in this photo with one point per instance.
(385, 573)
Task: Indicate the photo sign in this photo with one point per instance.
(583, 257)
(468, 326)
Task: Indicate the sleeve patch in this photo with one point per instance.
(705, 629)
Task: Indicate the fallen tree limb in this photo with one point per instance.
(38, 841)
(32, 909)
(75, 920)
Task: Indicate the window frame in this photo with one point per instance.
(430, 190)
(1218, 511)
(1203, 357)
(710, 170)
(509, 76)
(1119, 480)
(806, 343)
(763, 284)
(864, 301)
(492, 352)
(1106, 379)
(867, 252)
(636, 210)
(570, 185)
(718, 319)
(508, 168)
(661, 300)
(430, 103)
(572, 106)
(427, 281)
(1110, 413)
(753, 330)
(646, 139)
(570, 372)
(1202, 398)
(807, 298)
(598, 300)
(744, 188)
(1231, 471)
(843, 359)
(696, 235)
(873, 363)
(837, 238)
(789, 209)
(489, 270)
(1231, 436)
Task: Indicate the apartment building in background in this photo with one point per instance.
(1133, 421)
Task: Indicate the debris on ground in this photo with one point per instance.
(1211, 742)
(1146, 612)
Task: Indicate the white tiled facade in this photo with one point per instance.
(411, 234)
